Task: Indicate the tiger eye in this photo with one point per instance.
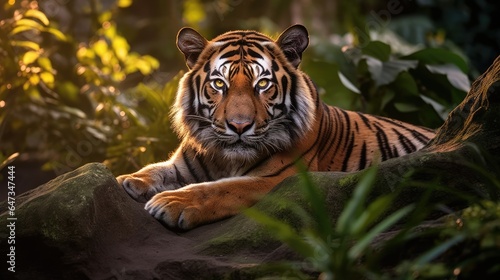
(263, 83)
(218, 84)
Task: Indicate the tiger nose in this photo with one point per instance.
(239, 126)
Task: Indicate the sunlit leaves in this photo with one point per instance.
(194, 12)
(124, 3)
(30, 57)
(26, 44)
(109, 58)
(35, 21)
(54, 111)
(37, 15)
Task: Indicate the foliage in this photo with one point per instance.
(62, 114)
(464, 244)
(468, 24)
(420, 88)
(147, 136)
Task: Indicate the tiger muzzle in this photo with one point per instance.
(240, 126)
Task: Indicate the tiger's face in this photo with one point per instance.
(243, 97)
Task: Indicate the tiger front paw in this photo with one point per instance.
(140, 187)
(178, 209)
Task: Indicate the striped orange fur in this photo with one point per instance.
(246, 114)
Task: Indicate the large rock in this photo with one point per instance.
(82, 225)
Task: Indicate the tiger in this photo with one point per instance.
(246, 115)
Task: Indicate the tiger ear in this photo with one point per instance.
(191, 44)
(293, 42)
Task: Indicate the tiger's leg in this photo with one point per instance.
(202, 203)
(155, 178)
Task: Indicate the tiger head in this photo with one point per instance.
(244, 97)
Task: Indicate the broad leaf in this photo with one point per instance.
(438, 56)
(456, 77)
(384, 73)
(350, 86)
(406, 107)
(378, 50)
(30, 57)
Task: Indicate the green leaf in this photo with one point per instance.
(387, 98)
(30, 23)
(352, 211)
(152, 61)
(45, 63)
(405, 84)
(19, 29)
(47, 78)
(38, 15)
(406, 107)
(378, 50)
(384, 73)
(317, 200)
(26, 44)
(282, 231)
(348, 83)
(438, 250)
(438, 56)
(124, 3)
(30, 57)
(57, 33)
(457, 78)
(100, 48)
(372, 213)
(121, 47)
(388, 222)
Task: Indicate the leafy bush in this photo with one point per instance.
(420, 88)
(62, 110)
(465, 244)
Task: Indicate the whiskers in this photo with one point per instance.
(198, 118)
(275, 136)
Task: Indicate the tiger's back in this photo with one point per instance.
(357, 140)
(246, 114)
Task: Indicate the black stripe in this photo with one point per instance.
(395, 152)
(191, 95)
(179, 178)
(258, 46)
(230, 53)
(275, 66)
(406, 143)
(365, 120)
(253, 53)
(340, 128)
(229, 38)
(347, 156)
(293, 91)
(420, 137)
(326, 147)
(190, 168)
(295, 161)
(383, 143)
(348, 126)
(205, 170)
(206, 67)
(362, 157)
